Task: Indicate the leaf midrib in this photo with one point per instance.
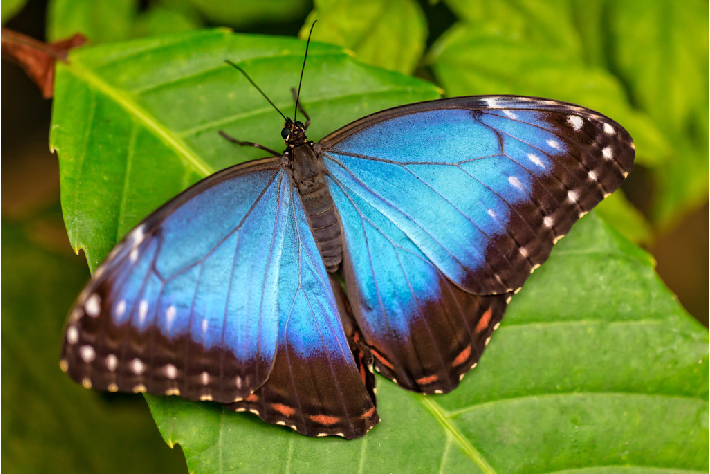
(443, 418)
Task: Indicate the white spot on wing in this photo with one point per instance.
(608, 129)
(510, 114)
(554, 144)
(606, 153)
(535, 159)
(492, 213)
(137, 235)
(548, 222)
(111, 362)
(205, 378)
(492, 102)
(170, 315)
(592, 175)
(137, 366)
(72, 335)
(170, 371)
(515, 182)
(121, 308)
(134, 255)
(87, 353)
(576, 122)
(572, 196)
(523, 252)
(142, 311)
(93, 305)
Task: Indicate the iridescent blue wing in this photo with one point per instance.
(315, 386)
(448, 206)
(221, 295)
(185, 303)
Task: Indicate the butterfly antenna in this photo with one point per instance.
(298, 94)
(254, 84)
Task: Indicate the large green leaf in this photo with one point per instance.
(390, 34)
(595, 366)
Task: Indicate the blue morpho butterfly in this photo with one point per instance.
(433, 213)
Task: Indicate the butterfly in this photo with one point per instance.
(395, 243)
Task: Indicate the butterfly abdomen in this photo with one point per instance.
(309, 178)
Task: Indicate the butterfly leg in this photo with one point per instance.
(252, 144)
(300, 108)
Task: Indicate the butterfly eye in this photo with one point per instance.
(285, 133)
(299, 124)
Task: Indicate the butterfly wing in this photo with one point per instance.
(185, 304)
(221, 295)
(448, 206)
(315, 386)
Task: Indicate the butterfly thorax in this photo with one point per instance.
(308, 174)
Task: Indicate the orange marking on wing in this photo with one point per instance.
(363, 371)
(485, 321)
(252, 398)
(429, 379)
(463, 357)
(382, 360)
(325, 419)
(368, 413)
(283, 409)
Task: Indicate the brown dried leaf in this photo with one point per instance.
(38, 58)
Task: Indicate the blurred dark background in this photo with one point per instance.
(41, 274)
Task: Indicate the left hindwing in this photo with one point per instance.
(449, 205)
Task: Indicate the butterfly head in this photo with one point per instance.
(293, 133)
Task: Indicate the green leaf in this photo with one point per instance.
(101, 21)
(595, 366)
(241, 13)
(162, 20)
(50, 424)
(389, 34)
(542, 22)
(662, 53)
(10, 8)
